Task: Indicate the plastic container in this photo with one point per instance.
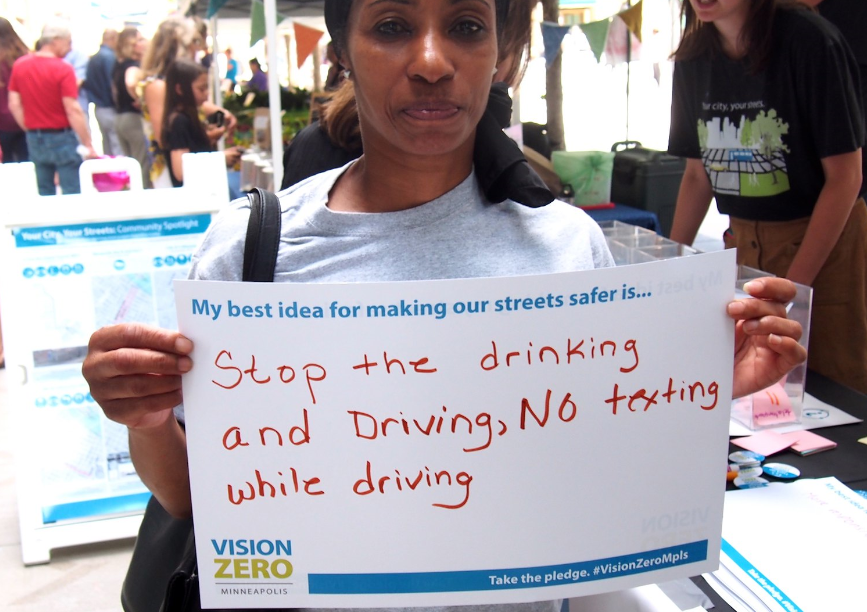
(248, 171)
(615, 229)
(782, 403)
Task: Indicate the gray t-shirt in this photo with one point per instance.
(458, 235)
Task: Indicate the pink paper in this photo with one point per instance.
(771, 406)
(807, 441)
(765, 443)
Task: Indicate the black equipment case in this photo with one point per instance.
(646, 179)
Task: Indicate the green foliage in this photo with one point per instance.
(747, 133)
(767, 133)
(295, 112)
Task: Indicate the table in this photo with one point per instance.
(626, 214)
(847, 463)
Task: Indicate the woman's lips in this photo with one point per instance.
(433, 111)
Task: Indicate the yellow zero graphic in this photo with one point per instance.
(252, 568)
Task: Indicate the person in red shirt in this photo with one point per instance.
(43, 99)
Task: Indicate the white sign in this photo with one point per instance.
(454, 442)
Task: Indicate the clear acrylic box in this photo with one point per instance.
(780, 404)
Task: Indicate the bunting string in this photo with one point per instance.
(596, 32)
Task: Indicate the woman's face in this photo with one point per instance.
(200, 89)
(422, 70)
(721, 12)
(141, 45)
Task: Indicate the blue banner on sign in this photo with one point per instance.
(515, 578)
(110, 230)
(763, 581)
(96, 507)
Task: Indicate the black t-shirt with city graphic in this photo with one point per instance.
(762, 137)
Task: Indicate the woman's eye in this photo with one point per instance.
(391, 28)
(468, 28)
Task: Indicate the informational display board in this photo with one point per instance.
(72, 264)
(455, 442)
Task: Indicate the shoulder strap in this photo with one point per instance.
(263, 237)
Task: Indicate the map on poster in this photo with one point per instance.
(69, 281)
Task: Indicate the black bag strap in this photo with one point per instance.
(263, 236)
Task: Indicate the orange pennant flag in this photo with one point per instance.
(306, 39)
(632, 18)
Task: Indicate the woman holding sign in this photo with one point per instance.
(410, 208)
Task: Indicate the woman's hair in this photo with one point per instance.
(702, 39)
(337, 16)
(200, 37)
(180, 76)
(515, 41)
(339, 117)
(126, 42)
(11, 45)
(171, 41)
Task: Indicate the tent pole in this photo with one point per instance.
(317, 72)
(217, 91)
(274, 92)
(288, 40)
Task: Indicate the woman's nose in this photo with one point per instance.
(432, 59)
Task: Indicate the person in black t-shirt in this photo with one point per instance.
(183, 130)
(128, 122)
(850, 17)
(767, 111)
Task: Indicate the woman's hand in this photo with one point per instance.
(134, 372)
(233, 154)
(230, 121)
(214, 132)
(766, 342)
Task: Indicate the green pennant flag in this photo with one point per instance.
(257, 21)
(214, 6)
(597, 35)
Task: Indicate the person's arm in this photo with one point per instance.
(78, 122)
(154, 99)
(210, 108)
(835, 202)
(131, 78)
(16, 109)
(693, 200)
(178, 163)
(134, 372)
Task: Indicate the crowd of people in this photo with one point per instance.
(46, 92)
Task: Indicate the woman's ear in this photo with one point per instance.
(178, 89)
(342, 60)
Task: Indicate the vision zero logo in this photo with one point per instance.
(252, 559)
